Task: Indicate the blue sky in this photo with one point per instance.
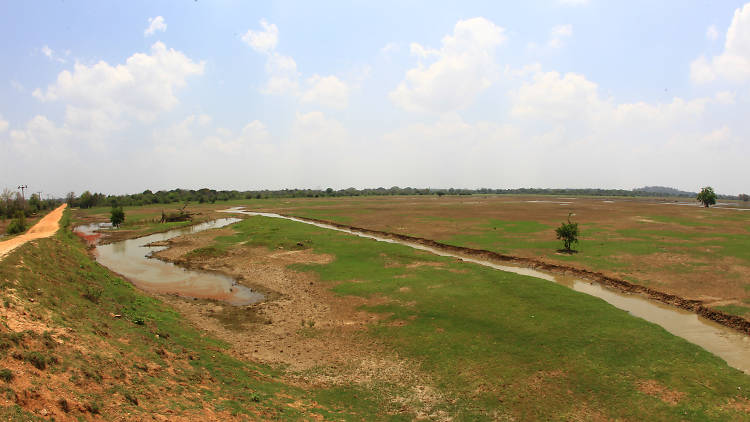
(247, 95)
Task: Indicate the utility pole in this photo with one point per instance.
(23, 190)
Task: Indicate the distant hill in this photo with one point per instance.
(664, 190)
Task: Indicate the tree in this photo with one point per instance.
(18, 225)
(744, 197)
(117, 217)
(568, 233)
(707, 196)
(86, 200)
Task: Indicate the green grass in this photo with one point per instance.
(499, 345)
(55, 283)
(734, 309)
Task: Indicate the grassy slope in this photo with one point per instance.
(502, 345)
(147, 361)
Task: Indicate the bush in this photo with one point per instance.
(117, 216)
(6, 375)
(568, 233)
(93, 293)
(707, 196)
(18, 225)
(37, 359)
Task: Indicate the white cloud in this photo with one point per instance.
(284, 78)
(142, 87)
(263, 41)
(733, 64)
(155, 24)
(573, 100)
(389, 48)
(329, 91)
(464, 66)
(712, 33)
(50, 54)
(558, 34)
(3, 124)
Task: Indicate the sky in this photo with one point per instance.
(123, 96)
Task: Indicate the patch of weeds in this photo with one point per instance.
(93, 293)
(92, 375)
(64, 405)
(49, 342)
(207, 252)
(130, 397)
(734, 309)
(254, 397)
(6, 375)
(15, 337)
(94, 407)
(37, 359)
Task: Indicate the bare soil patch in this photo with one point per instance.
(655, 389)
(315, 334)
(46, 227)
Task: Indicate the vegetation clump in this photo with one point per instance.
(568, 233)
(117, 216)
(18, 225)
(744, 197)
(6, 375)
(181, 215)
(707, 196)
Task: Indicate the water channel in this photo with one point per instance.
(131, 259)
(722, 341)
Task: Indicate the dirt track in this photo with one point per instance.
(46, 227)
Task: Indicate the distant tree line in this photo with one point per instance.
(147, 197)
(12, 203)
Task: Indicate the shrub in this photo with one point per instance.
(6, 375)
(18, 225)
(707, 196)
(568, 233)
(37, 359)
(93, 294)
(117, 216)
(94, 407)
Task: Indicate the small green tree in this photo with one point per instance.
(18, 225)
(117, 217)
(707, 196)
(568, 233)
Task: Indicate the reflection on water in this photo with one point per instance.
(722, 341)
(130, 258)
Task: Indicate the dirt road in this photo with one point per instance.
(46, 227)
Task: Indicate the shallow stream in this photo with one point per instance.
(722, 341)
(131, 258)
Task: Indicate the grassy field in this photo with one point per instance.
(693, 252)
(77, 342)
(486, 345)
(500, 346)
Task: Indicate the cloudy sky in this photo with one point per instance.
(124, 96)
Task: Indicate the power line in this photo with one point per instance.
(23, 191)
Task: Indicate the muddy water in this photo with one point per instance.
(131, 259)
(722, 341)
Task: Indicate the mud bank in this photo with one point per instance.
(732, 321)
